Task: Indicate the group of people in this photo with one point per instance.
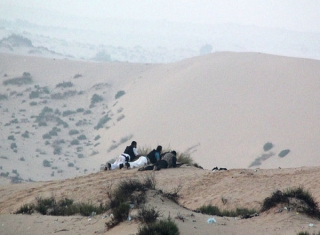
(155, 160)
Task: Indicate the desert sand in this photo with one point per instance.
(241, 187)
(220, 108)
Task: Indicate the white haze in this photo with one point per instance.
(165, 31)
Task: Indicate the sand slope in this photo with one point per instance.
(241, 187)
(221, 108)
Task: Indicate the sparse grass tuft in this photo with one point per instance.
(167, 227)
(64, 207)
(213, 210)
(296, 197)
(267, 146)
(147, 215)
(102, 121)
(18, 81)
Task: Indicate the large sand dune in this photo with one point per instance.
(221, 108)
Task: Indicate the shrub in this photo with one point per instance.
(97, 137)
(300, 194)
(102, 121)
(73, 132)
(184, 158)
(80, 155)
(80, 110)
(34, 94)
(33, 103)
(147, 215)
(213, 210)
(64, 207)
(57, 150)
(78, 75)
(167, 227)
(25, 134)
(67, 113)
(267, 146)
(284, 153)
(64, 84)
(11, 137)
(53, 133)
(13, 145)
(25, 79)
(82, 137)
(95, 99)
(46, 163)
(26, 209)
(70, 164)
(119, 94)
(120, 117)
(87, 111)
(46, 136)
(74, 142)
(3, 97)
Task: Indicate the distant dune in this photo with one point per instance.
(221, 108)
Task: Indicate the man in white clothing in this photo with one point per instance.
(142, 161)
(129, 154)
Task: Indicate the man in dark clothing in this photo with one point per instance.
(152, 157)
(129, 154)
(168, 160)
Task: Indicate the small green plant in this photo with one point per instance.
(46, 136)
(34, 94)
(213, 210)
(46, 163)
(119, 94)
(33, 103)
(284, 153)
(18, 81)
(73, 132)
(64, 84)
(70, 164)
(82, 137)
(97, 137)
(147, 215)
(267, 146)
(67, 113)
(63, 207)
(95, 99)
(25, 134)
(13, 146)
(78, 75)
(167, 227)
(3, 97)
(102, 121)
(304, 197)
(80, 110)
(11, 137)
(75, 142)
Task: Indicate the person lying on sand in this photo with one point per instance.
(152, 157)
(167, 161)
(130, 153)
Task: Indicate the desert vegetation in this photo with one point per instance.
(25, 79)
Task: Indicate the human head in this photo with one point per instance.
(159, 148)
(174, 152)
(134, 144)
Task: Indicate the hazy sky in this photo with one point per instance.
(301, 15)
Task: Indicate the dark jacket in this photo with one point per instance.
(171, 159)
(129, 150)
(152, 156)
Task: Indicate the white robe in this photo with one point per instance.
(140, 162)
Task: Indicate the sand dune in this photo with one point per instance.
(221, 108)
(240, 187)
